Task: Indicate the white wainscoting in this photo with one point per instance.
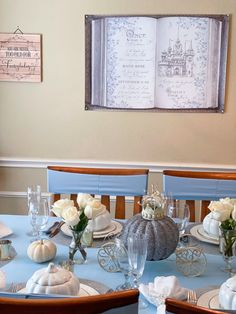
(152, 166)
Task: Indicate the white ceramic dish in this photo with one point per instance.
(210, 299)
(84, 291)
(201, 235)
(4, 230)
(114, 228)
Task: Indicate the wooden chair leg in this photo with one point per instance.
(191, 205)
(73, 197)
(56, 197)
(204, 209)
(137, 205)
(120, 207)
(105, 200)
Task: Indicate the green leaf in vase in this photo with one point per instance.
(229, 224)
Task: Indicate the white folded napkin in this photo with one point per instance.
(163, 287)
(2, 280)
(4, 230)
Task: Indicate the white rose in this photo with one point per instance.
(60, 205)
(71, 216)
(229, 200)
(88, 211)
(233, 214)
(221, 215)
(233, 201)
(222, 205)
(82, 199)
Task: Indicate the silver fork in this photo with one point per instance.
(16, 287)
(192, 297)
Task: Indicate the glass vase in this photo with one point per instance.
(228, 247)
(77, 253)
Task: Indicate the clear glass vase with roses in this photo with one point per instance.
(224, 211)
(228, 244)
(77, 220)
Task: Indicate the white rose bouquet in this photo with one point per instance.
(76, 218)
(224, 211)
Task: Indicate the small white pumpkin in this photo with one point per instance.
(53, 280)
(211, 225)
(227, 294)
(41, 251)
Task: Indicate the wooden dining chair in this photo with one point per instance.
(181, 307)
(110, 303)
(196, 185)
(120, 183)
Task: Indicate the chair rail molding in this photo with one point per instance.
(155, 167)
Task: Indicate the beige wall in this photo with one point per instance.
(47, 120)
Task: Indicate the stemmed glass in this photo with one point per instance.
(41, 218)
(33, 197)
(137, 254)
(39, 214)
(121, 257)
(180, 213)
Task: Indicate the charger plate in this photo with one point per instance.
(84, 291)
(114, 228)
(87, 287)
(201, 235)
(210, 299)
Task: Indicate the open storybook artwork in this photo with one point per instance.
(156, 62)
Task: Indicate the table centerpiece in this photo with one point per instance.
(77, 219)
(224, 213)
(161, 231)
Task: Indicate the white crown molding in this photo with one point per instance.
(152, 166)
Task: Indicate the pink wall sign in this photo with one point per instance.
(20, 57)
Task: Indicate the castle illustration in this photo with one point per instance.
(177, 61)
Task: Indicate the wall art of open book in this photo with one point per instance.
(156, 62)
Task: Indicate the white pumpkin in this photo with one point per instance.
(53, 280)
(42, 250)
(211, 225)
(227, 294)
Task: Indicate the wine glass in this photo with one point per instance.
(39, 216)
(121, 257)
(180, 213)
(33, 197)
(137, 254)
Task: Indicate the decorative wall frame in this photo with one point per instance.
(156, 62)
(20, 57)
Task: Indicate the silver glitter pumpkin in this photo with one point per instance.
(161, 231)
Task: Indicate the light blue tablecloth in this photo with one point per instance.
(21, 267)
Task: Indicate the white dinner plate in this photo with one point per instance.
(84, 291)
(4, 230)
(108, 229)
(114, 228)
(209, 299)
(201, 235)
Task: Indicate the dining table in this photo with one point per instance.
(20, 268)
